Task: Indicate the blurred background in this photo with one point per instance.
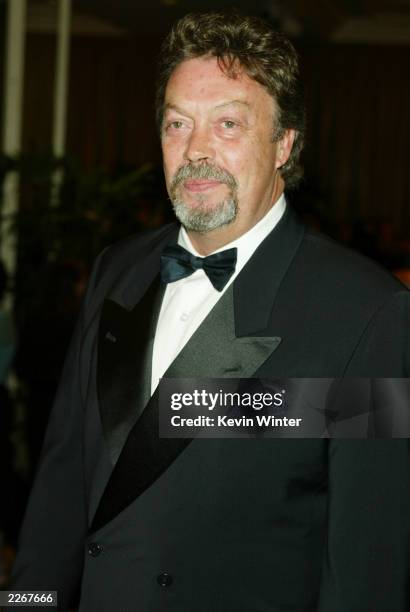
(80, 167)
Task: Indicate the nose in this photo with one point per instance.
(199, 145)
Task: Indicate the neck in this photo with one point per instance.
(208, 242)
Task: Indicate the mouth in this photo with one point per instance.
(199, 185)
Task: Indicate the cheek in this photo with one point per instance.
(172, 147)
(245, 165)
(236, 161)
(254, 170)
(171, 160)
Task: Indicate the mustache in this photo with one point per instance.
(203, 171)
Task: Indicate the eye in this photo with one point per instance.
(175, 125)
(228, 124)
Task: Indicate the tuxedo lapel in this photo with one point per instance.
(125, 339)
(143, 459)
(257, 286)
(215, 352)
(124, 364)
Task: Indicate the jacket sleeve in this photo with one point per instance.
(51, 543)
(366, 566)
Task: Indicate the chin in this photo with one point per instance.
(206, 217)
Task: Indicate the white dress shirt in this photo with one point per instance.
(189, 300)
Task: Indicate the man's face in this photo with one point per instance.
(220, 160)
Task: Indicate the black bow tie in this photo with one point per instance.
(177, 263)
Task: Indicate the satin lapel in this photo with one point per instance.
(215, 352)
(257, 285)
(143, 459)
(124, 364)
(127, 327)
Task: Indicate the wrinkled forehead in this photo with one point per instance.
(205, 81)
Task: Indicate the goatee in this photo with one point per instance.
(203, 217)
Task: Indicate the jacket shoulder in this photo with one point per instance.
(346, 271)
(124, 253)
(125, 263)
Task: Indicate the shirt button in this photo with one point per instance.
(164, 579)
(184, 316)
(94, 549)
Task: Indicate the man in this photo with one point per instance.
(138, 522)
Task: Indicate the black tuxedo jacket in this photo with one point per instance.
(140, 523)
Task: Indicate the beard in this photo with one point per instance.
(204, 217)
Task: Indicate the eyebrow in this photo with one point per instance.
(169, 106)
(243, 102)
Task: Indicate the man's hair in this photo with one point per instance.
(267, 56)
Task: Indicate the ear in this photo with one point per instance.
(284, 147)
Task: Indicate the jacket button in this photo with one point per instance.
(164, 579)
(94, 549)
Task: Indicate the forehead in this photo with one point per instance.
(201, 81)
